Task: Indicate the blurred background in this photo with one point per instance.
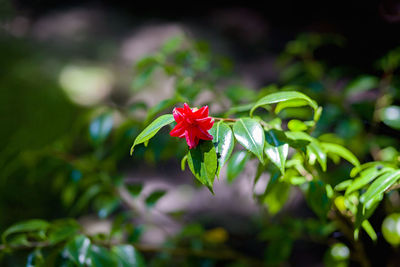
(79, 80)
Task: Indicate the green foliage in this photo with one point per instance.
(297, 144)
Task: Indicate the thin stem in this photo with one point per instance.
(225, 119)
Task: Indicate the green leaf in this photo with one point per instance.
(223, 142)
(250, 135)
(128, 256)
(203, 163)
(317, 199)
(63, 230)
(314, 151)
(172, 44)
(281, 97)
(101, 257)
(276, 197)
(134, 189)
(236, 164)
(366, 177)
(361, 84)
(342, 152)
(275, 149)
(152, 129)
(369, 230)
(296, 125)
(77, 249)
(100, 128)
(183, 162)
(379, 186)
(152, 199)
(391, 116)
(294, 103)
(25, 226)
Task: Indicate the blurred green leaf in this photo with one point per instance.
(78, 250)
(317, 199)
(101, 257)
(391, 116)
(361, 84)
(276, 196)
(236, 164)
(26, 226)
(100, 127)
(152, 199)
(128, 256)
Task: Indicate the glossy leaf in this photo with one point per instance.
(283, 96)
(236, 164)
(315, 152)
(342, 152)
(275, 149)
(294, 103)
(101, 257)
(203, 163)
(152, 129)
(78, 249)
(250, 135)
(379, 186)
(365, 178)
(223, 142)
(128, 256)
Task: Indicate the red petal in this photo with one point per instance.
(204, 135)
(177, 112)
(206, 123)
(190, 139)
(201, 113)
(187, 109)
(178, 130)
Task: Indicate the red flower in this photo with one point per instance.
(193, 124)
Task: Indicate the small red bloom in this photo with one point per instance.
(192, 124)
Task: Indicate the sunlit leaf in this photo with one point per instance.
(223, 142)
(128, 256)
(283, 96)
(77, 250)
(379, 186)
(152, 129)
(203, 163)
(250, 135)
(275, 149)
